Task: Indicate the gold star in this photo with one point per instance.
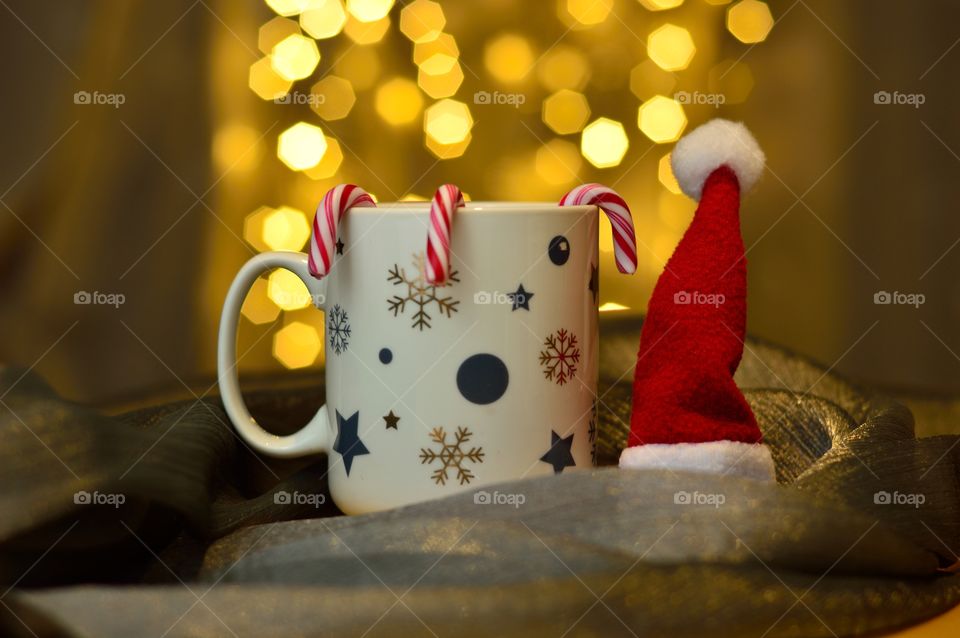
(391, 420)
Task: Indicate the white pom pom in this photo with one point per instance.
(712, 145)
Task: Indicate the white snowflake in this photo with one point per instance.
(560, 357)
(420, 294)
(452, 456)
(338, 327)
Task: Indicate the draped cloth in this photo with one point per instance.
(854, 539)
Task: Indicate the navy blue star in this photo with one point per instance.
(520, 299)
(559, 455)
(348, 444)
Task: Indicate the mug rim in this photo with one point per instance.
(485, 207)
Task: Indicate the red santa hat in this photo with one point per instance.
(688, 414)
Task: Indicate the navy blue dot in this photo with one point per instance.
(559, 250)
(482, 378)
(386, 356)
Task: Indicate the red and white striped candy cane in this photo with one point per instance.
(447, 199)
(331, 209)
(624, 237)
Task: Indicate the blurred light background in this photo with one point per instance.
(150, 148)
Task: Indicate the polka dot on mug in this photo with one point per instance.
(386, 355)
(482, 378)
(559, 250)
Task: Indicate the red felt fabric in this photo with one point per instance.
(683, 389)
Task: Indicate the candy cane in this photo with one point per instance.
(331, 209)
(447, 199)
(624, 237)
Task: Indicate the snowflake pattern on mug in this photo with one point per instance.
(560, 356)
(452, 456)
(338, 327)
(420, 294)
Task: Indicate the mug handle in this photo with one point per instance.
(316, 434)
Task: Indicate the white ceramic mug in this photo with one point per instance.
(433, 390)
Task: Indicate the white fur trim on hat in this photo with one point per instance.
(750, 460)
(712, 145)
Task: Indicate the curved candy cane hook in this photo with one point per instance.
(617, 211)
(330, 211)
(447, 199)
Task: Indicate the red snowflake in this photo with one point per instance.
(560, 356)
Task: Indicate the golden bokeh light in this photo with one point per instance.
(443, 84)
(295, 57)
(360, 65)
(236, 147)
(673, 62)
(333, 98)
(448, 122)
(587, 12)
(438, 64)
(297, 345)
(253, 228)
(732, 79)
(612, 306)
(257, 307)
(301, 146)
(508, 58)
(665, 174)
(604, 142)
(422, 20)
(647, 79)
(563, 67)
(398, 101)
(606, 235)
(287, 290)
(447, 151)
(671, 47)
(558, 162)
(274, 31)
(366, 32)
(323, 18)
(286, 228)
(329, 164)
(660, 5)
(288, 7)
(266, 82)
(675, 211)
(661, 119)
(749, 21)
(369, 10)
(443, 44)
(566, 111)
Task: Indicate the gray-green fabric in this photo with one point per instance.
(200, 548)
